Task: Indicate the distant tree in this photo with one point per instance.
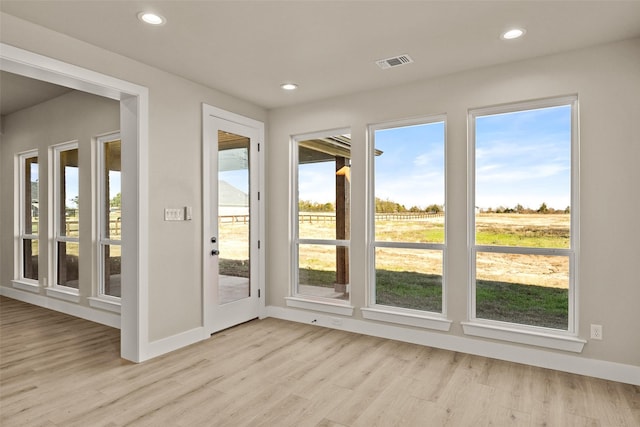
(434, 208)
(308, 206)
(519, 208)
(388, 206)
(567, 209)
(116, 202)
(543, 208)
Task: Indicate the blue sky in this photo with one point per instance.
(72, 185)
(34, 172)
(521, 158)
(410, 170)
(238, 178)
(524, 157)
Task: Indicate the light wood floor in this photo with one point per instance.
(62, 371)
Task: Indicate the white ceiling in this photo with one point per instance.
(329, 48)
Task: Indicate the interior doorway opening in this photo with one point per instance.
(134, 132)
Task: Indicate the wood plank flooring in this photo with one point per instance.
(56, 370)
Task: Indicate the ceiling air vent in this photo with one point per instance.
(396, 61)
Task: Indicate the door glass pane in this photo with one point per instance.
(324, 181)
(30, 258)
(112, 189)
(112, 269)
(409, 278)
(68, 272)
(526, 289)
(31, 190)
(318, 272)
(523, 178)
(324, 206)
(69, 193)
(409, 184)
(233, 217)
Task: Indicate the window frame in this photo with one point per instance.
(296, 299)
(387, 313)
(20, 280)
(528, 334)
(55, 289)
(101, 240)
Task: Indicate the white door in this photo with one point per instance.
(232, 276)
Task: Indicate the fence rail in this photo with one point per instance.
(115, 224)
(72, 227)
(317, 217)
(407, 215)
(329, 217)
(233, 219)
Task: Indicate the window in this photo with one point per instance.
(524, 213)
(409, 221)
(109, 216)
(322, 212)
(29, 215)
(66, 217)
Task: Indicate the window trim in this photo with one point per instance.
(528, 334)
(296, 299)
(400, 315)
(20, 281)
(54, 289)
(101, 241)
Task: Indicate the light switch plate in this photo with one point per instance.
(174, 214)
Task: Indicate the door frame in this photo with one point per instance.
(134, 128)
(210, 112)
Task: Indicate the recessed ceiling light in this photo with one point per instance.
(289, 86)
(512, 34)
(151, 18)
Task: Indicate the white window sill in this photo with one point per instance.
(408, 319)
(105, 304)
(71, 295)
(320, 305)
(26, 285)
(540, 339)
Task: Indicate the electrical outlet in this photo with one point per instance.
(596, 332)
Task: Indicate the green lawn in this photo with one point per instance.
(533, 238)
(509, 302)
(409, 290)
(526, 304)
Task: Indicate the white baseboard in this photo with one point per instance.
(174, 342)
(72, 309)
(512, 353)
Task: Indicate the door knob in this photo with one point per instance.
(215, 252)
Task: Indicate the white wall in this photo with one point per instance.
(174, 159)
(607, 81)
